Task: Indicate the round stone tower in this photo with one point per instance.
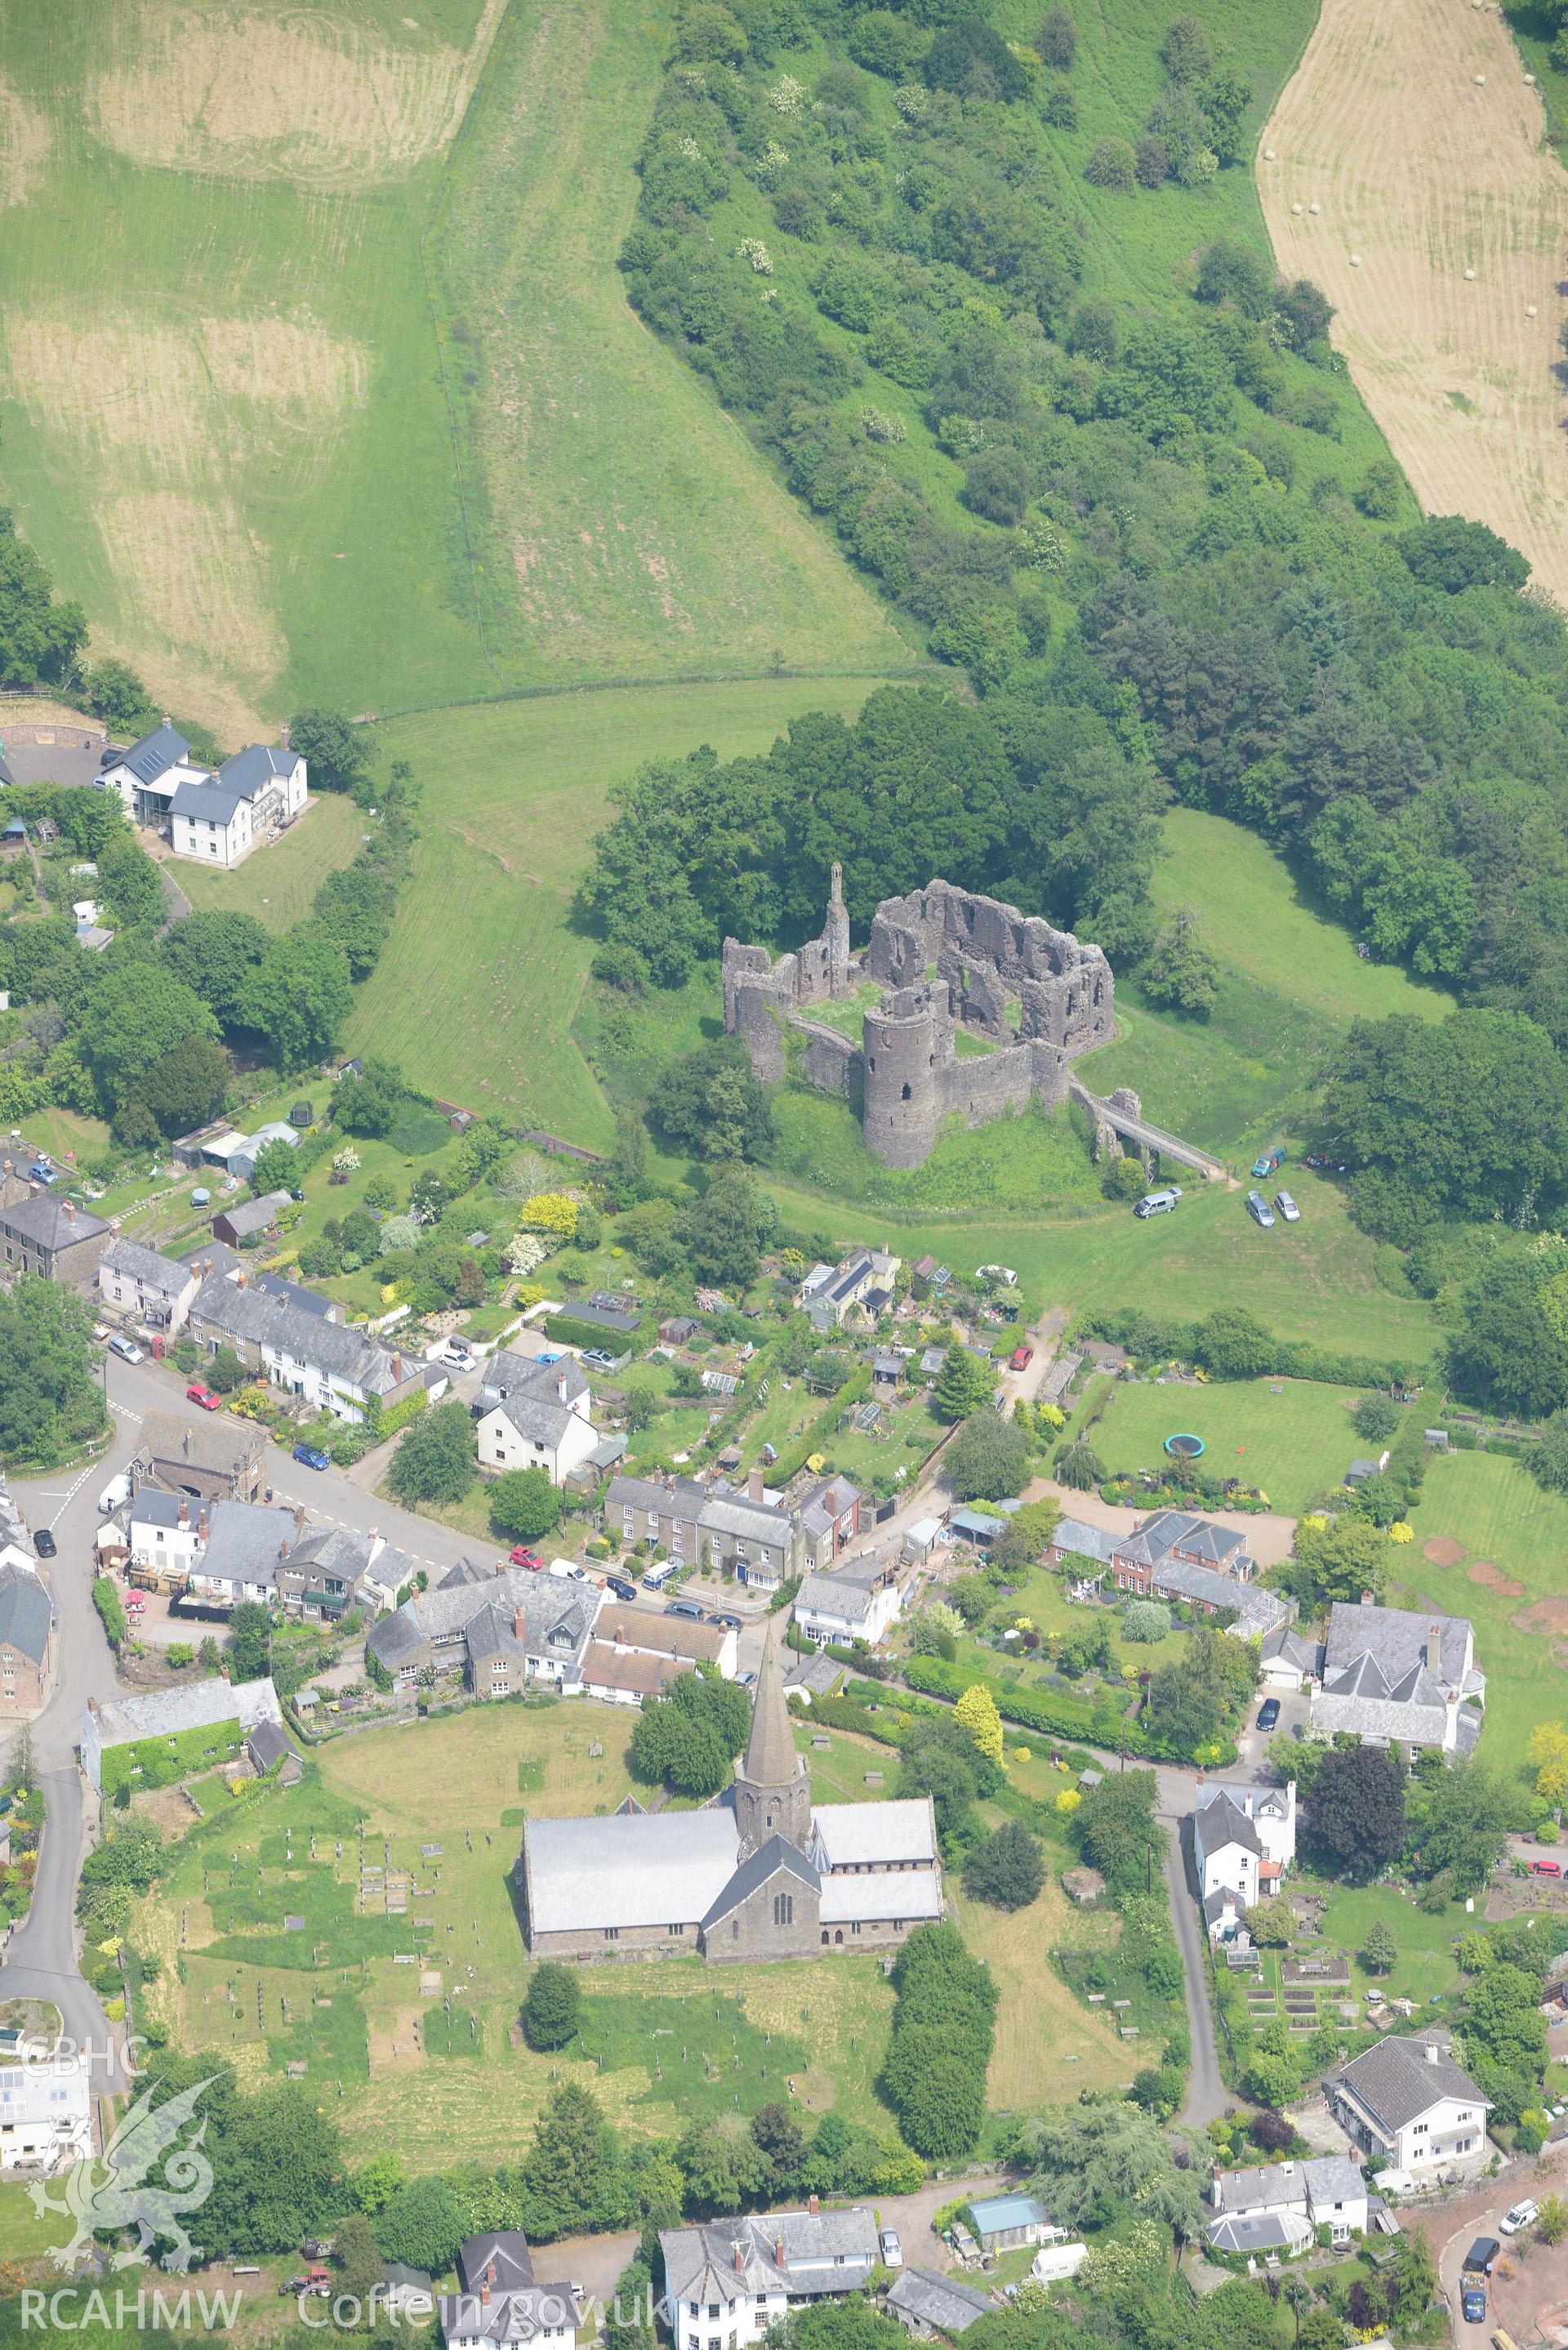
(906, 1042)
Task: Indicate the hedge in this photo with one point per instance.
(160, 1761)
(569, 1332)
(1157, 1337)
(1055, 1716)
(818, 1433)
(106, 1599)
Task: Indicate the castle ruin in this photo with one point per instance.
(948, 961)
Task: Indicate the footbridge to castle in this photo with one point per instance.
(1125, 1117)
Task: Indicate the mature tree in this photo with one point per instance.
(1449, 552)
(1194, 1701)
(1355, 1822)
(565, 2166)
(1006, 1870)
(1233, 273)
(300, 996)
(965, 1382)
(1379, 1949)
(1078, 1466)
(368, 1104)
(1182, 972)
(783, 2140)
(723, 2167)
(337, 752)
(1375, 1417)
(1548, 1456)
(522, 1504)
(939, 1758)
(690, 1736)
(250, 1642)
(1058, 41)
(135, 1013)
(1552, 2219)
(709, 1101)
(725, 1231)
(626, 1169)
(128, 881)
(1094, 2160)
(1116, 1830)
(354, 909)
(434, 1460)
(277, 1169)
(51, 1401)
(1547, 1754)
(357, 2259)
(1339, 1558)
(988, 1457)
(184, 1086)
(1146, 1622)
(1461, 1816)
(1233, 1344)
(978, 1718)
(421, 2226)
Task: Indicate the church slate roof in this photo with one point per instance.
(767, 1860)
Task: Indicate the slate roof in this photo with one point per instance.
(244, 1542)
(206, 803)
(1257, 1610)
(605, 1317)
(268, 1744)
(332, 1550)
(293, 1293)
(1223, 1897)
(840, 1594)
(330, 1347)
(816, 1518)
(1293, 1647)
(1084, 1540)
(655, 1870)
(730, 1513)
(1173, 1529)
(1396, 2081)
(220, 1444)
(464, 1572)
(884, 1893)
(23, 1611)
(254, 1215)
(508, 1374)
(685, 1500)
(164, 1713)
(153, 1508)
(1397, 1637)
(815, 1673)
(1289, 2186)
(520, 2317)
(50, 1224)
(763, 1864)
(504, 2251)
(699, 2263)
(534, 1420)
(1223, 1823)
(937, 2301)
(254, 769)
(155, 755)
(147, 1267)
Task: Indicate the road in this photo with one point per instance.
(41, 1959)
(1207, 2095)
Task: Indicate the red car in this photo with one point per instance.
(1546, 1868)
(197, 1393)
(1021, 1359)
(523, 1556)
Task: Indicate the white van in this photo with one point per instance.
(1157, 1204)
(117, 1491)
(566, 1569)
(658, 1577)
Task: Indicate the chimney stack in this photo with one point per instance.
(201, 1527)
(561, 1385)
(1433, 1650)
(813, 2206)
(71, 1210)
(299, 1517)
(398, 1368)
(283, 1548)
(740, 2258)
(1433, 2051)
(830, 1501)
(754, 1485)
(778, 2253)
(283, 736)
(517, 1624)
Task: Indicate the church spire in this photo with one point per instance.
(773, 1786)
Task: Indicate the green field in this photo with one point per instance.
(1505, 1521)
(277, 460)
(483, 995)
(1291, 1444)
(1290, 983)
(1030, 1161)
(276, 884)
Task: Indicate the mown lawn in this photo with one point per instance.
(1512, 1533)
(1425, 1963)
(1291, 1444)
(276, 884)
(1028, 1161)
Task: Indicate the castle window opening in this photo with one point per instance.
(905, 1093)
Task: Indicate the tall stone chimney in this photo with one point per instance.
(184, 1513)
(1433, 1651)
(754, 1485)
(561, 1385)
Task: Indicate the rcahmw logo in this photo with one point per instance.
(121, 2189)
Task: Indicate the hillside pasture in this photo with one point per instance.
(1411, 127)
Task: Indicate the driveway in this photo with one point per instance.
(1268, 1536)
(1207, 2095)
(1529, 2283)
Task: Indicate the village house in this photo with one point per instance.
(1243, 1840)
(45, 2110)
(499, 2305)
(541, 1422)
(500, 1631)
(218, 817)
(1278, 2208)
(853, 1292)
(728, 2281)
(333, 1368)
(246, 1541)
(860, 1600)
(1399, 1675)
(1409, 2101)
(829, 1516)
(168, 1713)
(931, 2306)
(1174, 1557)
(211, 1458)
(164, 1535)
(332, 1569)
(27, 1637)
(136, 1285)
(637, 1652)
(53, 1239)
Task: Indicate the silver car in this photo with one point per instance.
(1287, 1207)
(1259, 1211)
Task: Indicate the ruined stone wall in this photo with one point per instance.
(1067, 992)
(833, 1063)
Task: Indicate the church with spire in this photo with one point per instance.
(760, 1873)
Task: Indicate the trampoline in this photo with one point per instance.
(1187, 1448)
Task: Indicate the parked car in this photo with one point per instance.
(197, 1393)
(456, 1355)
(599, 1359)
(658, 1577)
(1287, 1207)
(1480, 2258)
(1259, 1211)
(1472, 2300)
(746, 1679)
(40, 1171)
(127, 1349)
(1021, 1359)
(688, 1608)
(1157, 1204)
(726, 1623)
(1520, 2215)
(312, 1456)
(1266, 1161)
(1546, 1868)
(43, 1543)
(523, 1556)
(1267, 1713)
(620, 1586)
(892, 2249)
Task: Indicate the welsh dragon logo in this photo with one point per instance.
(116, 2189)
